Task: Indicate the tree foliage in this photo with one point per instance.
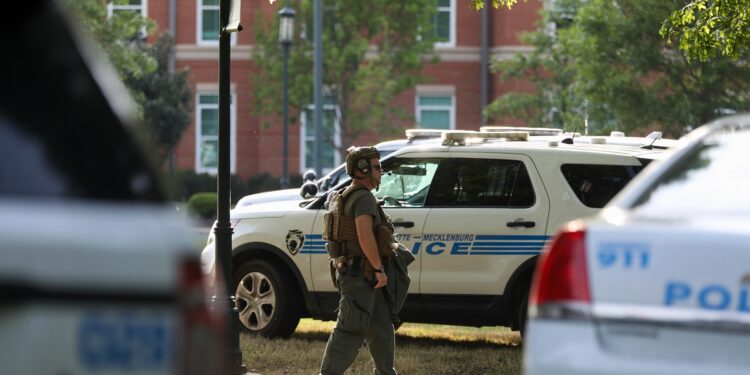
(372, 51)
(707, 28)
(163, 98)
(609, 64)
(479, 4)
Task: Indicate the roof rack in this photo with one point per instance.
(530, 130)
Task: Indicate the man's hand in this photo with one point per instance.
(382, 279)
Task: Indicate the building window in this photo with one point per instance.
(207, 133)
(444, 23)
(330, 142)
(436, 111)
(115, 7)
(209, 23)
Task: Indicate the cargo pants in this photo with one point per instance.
(363, 316)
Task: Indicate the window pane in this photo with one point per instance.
(435, 119)
(210, 27)
(482, 183)
(211, 2)
(406, 182)
(443, 26)
(595, 185)
(435, 100)
(444, 3)
(209, 99)
(126, 2)
(209, 154)
(209, 121)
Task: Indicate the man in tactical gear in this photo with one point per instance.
(363, 313)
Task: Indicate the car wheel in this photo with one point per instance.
(523, 307)
(266, 299)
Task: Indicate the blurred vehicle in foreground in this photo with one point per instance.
(659, 281)
(98, 274)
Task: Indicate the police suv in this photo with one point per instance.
(475, 210)
(659, 281)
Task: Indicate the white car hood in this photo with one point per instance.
(266, 210)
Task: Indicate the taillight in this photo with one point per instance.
(202, 336)
(560, 286)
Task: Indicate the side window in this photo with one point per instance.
(595, 185)
(482, 183)
(406, 182)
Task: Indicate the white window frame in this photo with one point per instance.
(452, 33)
(336, 139)
(436, 91)
(199, 26)
(232, 132)
(143, 8)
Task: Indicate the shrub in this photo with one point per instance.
(203, 205)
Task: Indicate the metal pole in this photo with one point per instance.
(170, 67)
(318, 84)
(484, 60)
(223, 230)
(285, 167)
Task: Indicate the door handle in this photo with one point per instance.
(525, 224)
(404, 224)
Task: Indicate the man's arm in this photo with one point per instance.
(369, 247)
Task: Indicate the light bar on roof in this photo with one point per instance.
(507, 135)
(530, 130)
(458, 137)
(423, 133)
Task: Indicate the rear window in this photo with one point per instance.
(595, 184)
(713, 179)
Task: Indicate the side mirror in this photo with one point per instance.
(309, 176)
(308, 190)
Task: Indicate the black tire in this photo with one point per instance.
(522, 312)
(268, 300)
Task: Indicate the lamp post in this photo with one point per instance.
(286, 32)
(223, 231)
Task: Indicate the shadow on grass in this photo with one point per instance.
(421, 341)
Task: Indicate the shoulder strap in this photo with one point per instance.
(350, 190)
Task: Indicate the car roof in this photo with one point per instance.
(626, 146)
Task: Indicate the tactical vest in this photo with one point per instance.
(338, 227)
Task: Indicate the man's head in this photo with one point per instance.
(362, 162)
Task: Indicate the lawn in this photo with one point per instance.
(421, 349)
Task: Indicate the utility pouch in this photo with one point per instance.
(332, 270)
(334, 249)
(385, 240)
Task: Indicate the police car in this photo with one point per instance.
(475, 210)
(98, 274)
(659, 281)
(338, 175)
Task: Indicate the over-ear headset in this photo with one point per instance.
(363, 165)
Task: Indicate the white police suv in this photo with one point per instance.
(475, 210)
(98, 274)
(659, 281)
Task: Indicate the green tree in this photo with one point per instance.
(630, 79)
(372, 51)
(706, 28)
(163, 98)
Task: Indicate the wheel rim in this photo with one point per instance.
(256, 301)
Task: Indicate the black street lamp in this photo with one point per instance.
(286, 32)
(230, 22)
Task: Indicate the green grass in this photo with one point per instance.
(421, 349)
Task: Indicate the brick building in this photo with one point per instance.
(452, 100)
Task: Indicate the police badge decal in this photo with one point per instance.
(294, 240)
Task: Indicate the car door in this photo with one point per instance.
(488, 215)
